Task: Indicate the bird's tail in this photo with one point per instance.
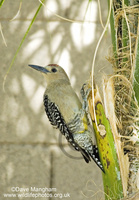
(95, 156)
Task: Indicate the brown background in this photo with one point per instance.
(30, 155)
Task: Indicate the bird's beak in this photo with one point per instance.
(39, 68)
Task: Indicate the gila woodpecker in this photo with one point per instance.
(64, 111)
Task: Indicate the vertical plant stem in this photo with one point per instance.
(125, 38)
(136, 73)
(108, 154)
(113, 30)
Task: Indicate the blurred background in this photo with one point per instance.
(32, 153)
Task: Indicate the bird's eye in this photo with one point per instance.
(54, 70)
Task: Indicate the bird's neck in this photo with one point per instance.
(58, 83)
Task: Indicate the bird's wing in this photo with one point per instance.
(58, 121)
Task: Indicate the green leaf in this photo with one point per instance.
(1, 2)
(24, 37)
(136, 73)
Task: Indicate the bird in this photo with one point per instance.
(64, 111)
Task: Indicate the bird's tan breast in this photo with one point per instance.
(66, 99)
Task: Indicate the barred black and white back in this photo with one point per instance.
(57, 120)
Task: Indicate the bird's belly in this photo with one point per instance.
(69, 109)
(68, 105)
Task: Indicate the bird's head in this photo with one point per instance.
(52, 72)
